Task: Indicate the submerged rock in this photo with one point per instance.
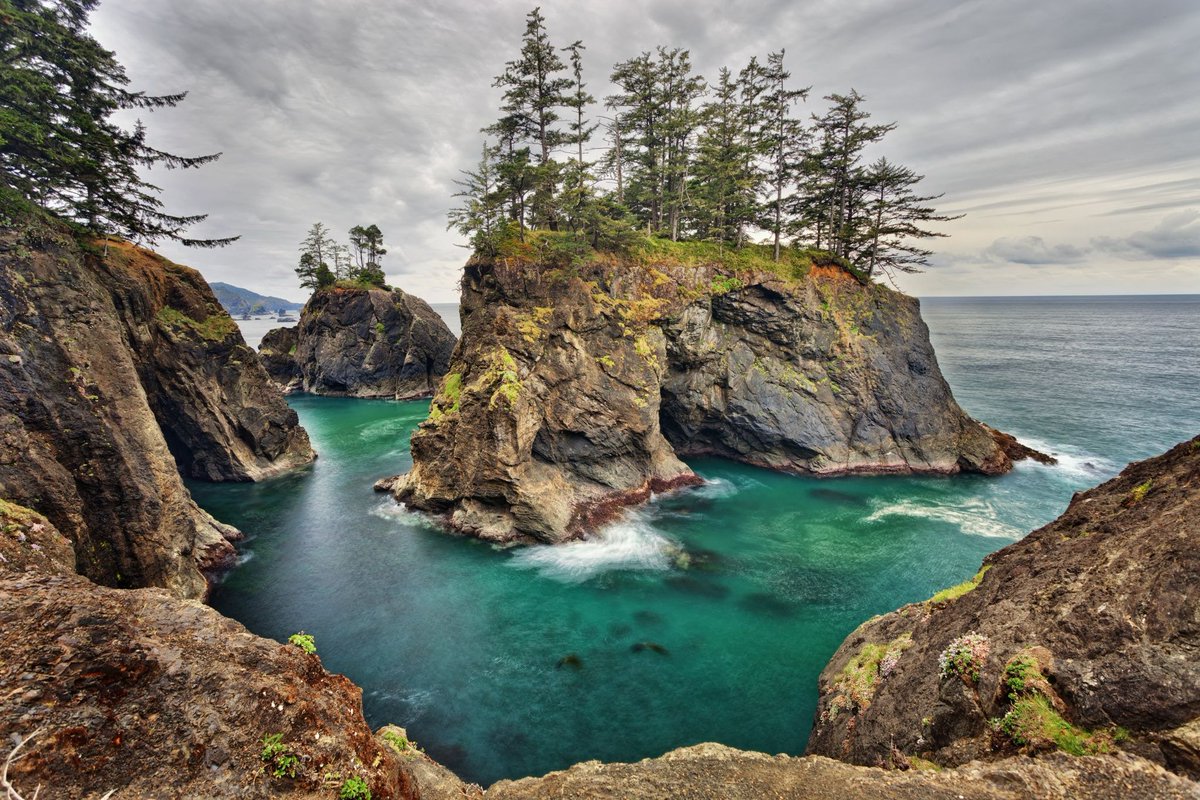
(1082, 637)
(361, 342)
(118, 370)
(574, 391)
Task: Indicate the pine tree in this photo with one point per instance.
(60, 148)
(721, 191)
(784, 143)
(366, 244)
(895, 214)
(532, 94)
(316, 251)
(577, 191)
(480, 217)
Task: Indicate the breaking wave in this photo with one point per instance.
(628, 544)
(974, 517)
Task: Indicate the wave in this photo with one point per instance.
(629, 544)
(395, 511)
(396, 426)
(1072, 461)
(974, 517)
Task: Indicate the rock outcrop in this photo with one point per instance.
(574, 391)
(360, 342)
(1084, 636)
(118, 369)
(140, 692)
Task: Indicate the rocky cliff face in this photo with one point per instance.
(361, 343)
(1081, 637)
(573, 391)
(117, 371)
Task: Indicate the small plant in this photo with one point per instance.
(1019, 673)
(964, 657)
(1140, 491)
(398, 742)
(955, 592)
(304, 641)
(278, 758)
(354, 788)
(378, 329)
(1034, 723)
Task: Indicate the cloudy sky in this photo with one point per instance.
(1068, 132)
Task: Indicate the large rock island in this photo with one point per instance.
(361, 341)
(576, 388)
(119, 370)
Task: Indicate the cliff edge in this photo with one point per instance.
(576, 388)
(119, 370)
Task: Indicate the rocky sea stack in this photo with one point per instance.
(361, 342)
(576, 387)
(119, 371)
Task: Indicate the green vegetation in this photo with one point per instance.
(964, 657)
(215, 327)
(855, 686)
(379, 328)
(1034, 723)
(324, 262)
(606, 361)
(955, 592)
(1140, 491)
(355, 788)
(278, 758)
(686, 160)
(304, 641)
(397, 742)
(61, 149)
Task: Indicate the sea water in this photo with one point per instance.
(707, 614)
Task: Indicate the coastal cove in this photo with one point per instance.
(707, 615)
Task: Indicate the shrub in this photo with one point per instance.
(354, 788)
(304, 641)
(964, 657)
(398, 742)
(278, 758)
(1034, 723)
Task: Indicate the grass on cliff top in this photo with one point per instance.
(564, 250)
(955, 592)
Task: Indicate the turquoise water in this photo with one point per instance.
(708, 614)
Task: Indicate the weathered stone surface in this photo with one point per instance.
(361, 343)
(116, 371)
(713, 771)
(1104, 601)
(572, 393)
(29, 541)
(140, 692)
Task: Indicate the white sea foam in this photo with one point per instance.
(974, 517)
(385, 427)
(716, 489)
(1072, 461)
(394, 511)
(628, 544)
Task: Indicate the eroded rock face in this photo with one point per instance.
(140, 692)
(118, 370)
(361, 343)
(570, 394)
(1092, 621)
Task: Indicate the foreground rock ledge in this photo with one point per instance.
(575, 391)
(1092, 622)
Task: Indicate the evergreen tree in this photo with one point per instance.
(577, 191)
(366, 246)
(722, 192)
(59, 147)
(316, 251)
(784, 143)
(533, 91)
(895, 214)
(679, 89)
(480, 217)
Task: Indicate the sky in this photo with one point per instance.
(1067, 132)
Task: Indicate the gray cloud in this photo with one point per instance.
(1033, 251)
(350, 111)
(1177, 236)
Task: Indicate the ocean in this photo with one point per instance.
(505, 663)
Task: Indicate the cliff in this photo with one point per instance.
(361, 342)
(1083, 637)
(118, 370)
(575, 388)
